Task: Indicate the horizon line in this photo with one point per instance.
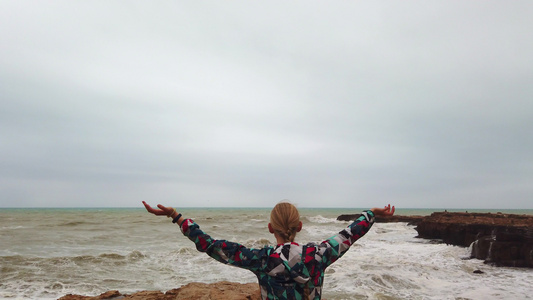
(258, 207)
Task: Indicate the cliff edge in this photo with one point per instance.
(499, 239)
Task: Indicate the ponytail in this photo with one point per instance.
(306, 292)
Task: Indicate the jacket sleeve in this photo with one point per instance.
(224, 251)
(335, 247)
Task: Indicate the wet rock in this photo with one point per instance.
(106, 295)
(499, 239)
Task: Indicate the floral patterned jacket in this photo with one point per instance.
(287, 271)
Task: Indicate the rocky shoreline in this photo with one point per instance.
(498, 239)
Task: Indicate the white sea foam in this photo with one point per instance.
(417, 269)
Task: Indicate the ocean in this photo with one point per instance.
(46, 253)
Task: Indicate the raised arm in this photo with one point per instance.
(336, 246)
(221, 250)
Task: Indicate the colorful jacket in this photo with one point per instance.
(287, 271)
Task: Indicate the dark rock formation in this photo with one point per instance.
(411, 220)
(501, 239)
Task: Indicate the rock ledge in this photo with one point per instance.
(499, 239)
(223, 290)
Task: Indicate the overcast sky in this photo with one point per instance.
(245, 103)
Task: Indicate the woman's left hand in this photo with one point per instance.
(386, 211)
(162, 211)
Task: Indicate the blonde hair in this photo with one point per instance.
(285, 220)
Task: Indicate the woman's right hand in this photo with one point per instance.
(162, 211)
(386, 211)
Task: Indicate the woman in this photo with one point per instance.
(288, 270)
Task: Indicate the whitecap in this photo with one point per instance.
(12, 227)
(321, 220)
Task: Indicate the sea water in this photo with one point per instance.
(48, 253)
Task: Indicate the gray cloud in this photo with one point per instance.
(205, 104)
